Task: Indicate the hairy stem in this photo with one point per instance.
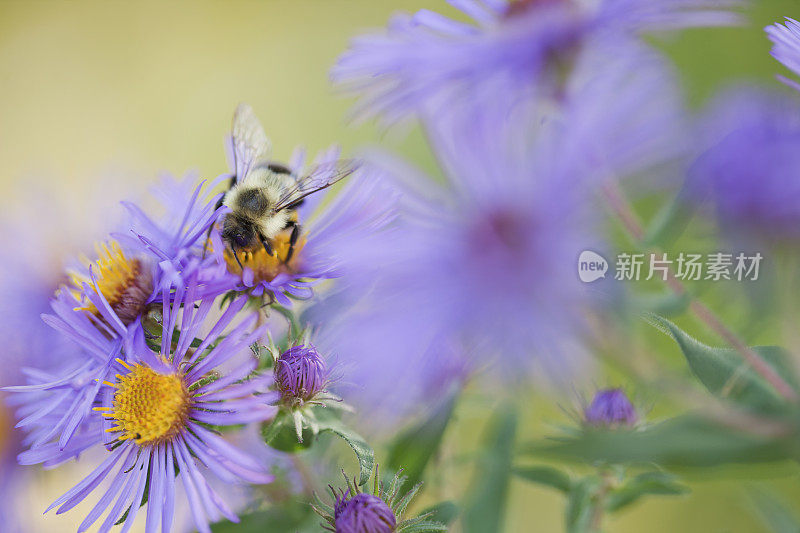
(599, 506)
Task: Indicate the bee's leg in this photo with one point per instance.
(219, 204)
(270, 302)
(236, 256)
(292, 240)
(267, 246)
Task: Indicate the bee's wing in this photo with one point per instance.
(250, 143)
(320, 177)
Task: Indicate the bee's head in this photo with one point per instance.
(238, 232)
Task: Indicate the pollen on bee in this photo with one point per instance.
(266, 267)
(148, 407)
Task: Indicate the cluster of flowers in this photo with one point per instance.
(166, 326)
(531, 109)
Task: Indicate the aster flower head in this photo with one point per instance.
(155, 413)
(786, 47)
(378, 511)
(426, 61)
(134, 265)
(125, 283)
(305, 251)
(480, 267)
(610, 408)
(748, 173)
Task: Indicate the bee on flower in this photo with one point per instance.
(261, 241)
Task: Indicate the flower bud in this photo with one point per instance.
(300, 374)
(611, 408)
(364, 513)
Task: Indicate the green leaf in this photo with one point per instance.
(776, 514)
(294, 326)
(484, 507)
(280, 434)
(364, 453)
(685, 441)
(580, 506)
(648, 483)
(724, 372)
(545, 475)
(413, 449)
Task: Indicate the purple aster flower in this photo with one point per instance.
(132, 268)
(610, 408)
(749, 172)
(380, 511)
(321, 252)
(153, 416)
(30, 273)
(101, 310)
(483, 266)
(426, 61)
(786, 47)
(55, 402)
(300, 374)
(486, 260)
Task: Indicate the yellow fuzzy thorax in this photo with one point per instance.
(148, 407)
(264, 266)
(115, 274)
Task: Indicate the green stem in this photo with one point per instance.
(623, 210)
(599, 502)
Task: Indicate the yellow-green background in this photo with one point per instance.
(97, 98)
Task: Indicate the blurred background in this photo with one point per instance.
(98, 98)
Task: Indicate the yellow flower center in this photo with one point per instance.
(122, 281)
(148, 407)
(264, 266)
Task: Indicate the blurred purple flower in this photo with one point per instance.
(610, 408)
(786, 47)
(155, 410)
(425, 62)
(750, 171)
(482, 268)
(485, 260)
